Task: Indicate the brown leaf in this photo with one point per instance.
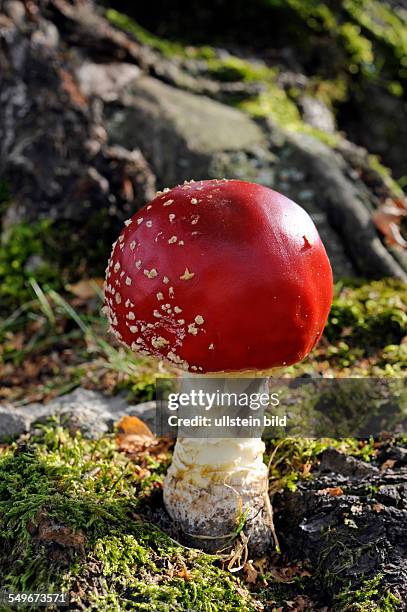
(133, 432)
(387, 465)
(184, 573)
(387, 219)
(332, 491)
(378, 507)
(49, 531)
(86, 289)
(250, 572)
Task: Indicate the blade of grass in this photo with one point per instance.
(44, 304)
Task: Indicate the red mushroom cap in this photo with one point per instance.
(220, 275)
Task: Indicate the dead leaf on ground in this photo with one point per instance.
(86, 289)
(387, 219)
(132, 431)
(332, 491)
(184, 573)
(378, 507)
(387, 465)
(250, 572)
(48, 531)
(137, 440)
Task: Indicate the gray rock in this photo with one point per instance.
(317, 114)
(12, 423)
(338, 463)
(179, 132)
(106, 81)
(82, 410)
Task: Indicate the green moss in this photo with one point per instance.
(380, 21)
(368, 315)
(145, 37)
(23, 243)
(385, 174)
(369, 597)
(120, 562)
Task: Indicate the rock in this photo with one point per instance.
(317, 114)
(338, 463)
(106, 81)
(81, 410)
(349, 523)
(180, 133)
(396, 454)
(53, 149)
(12, 423)
(337, 199)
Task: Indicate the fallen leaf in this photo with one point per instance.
(250, 572)
(49, 531)
(332, 491)
(184, 573)
(387, 219)
(387, 465)
(133, 431)
(86, 289)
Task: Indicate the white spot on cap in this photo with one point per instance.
(211, 346)
(166, 280)
(181, 321)
(118, 298)
(138, 264)
(171, 217)
(171, 291)
(139, 221)
(157, 314)
(160, 296)
(131, 316)
(187, 275)
(177, 309)
(172, 240)
(168, 203)
(150, 273)
(149, 207)
(149, 223)
(194, 201)
(116, 266)
(192, 329)
(132, 245)
(199, 319)
(133, 329)
(127, 222)
(159, 342)
(128, 280)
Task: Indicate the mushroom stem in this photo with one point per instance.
(214, 485)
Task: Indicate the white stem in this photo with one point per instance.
(213, 483)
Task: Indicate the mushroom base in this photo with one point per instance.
(214, 486)
(209, 517)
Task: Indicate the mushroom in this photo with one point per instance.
(219, 276)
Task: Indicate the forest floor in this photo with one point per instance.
(86, 516)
